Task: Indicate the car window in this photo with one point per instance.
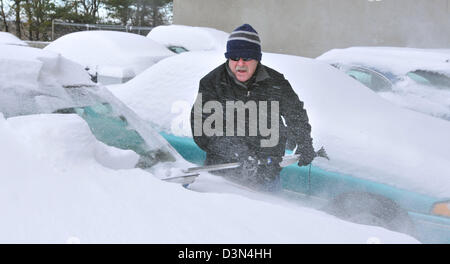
(110, 129)
(429, 78)
(177, 49)
(369, 78)
(114, 130)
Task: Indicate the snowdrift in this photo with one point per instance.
(365, 135)
(110, 53)
(66, 194)
(191, 38)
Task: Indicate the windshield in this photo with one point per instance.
(177, 49)
(429, 78)
(113, 125)
(369, 78)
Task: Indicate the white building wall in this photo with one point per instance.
(311, 27)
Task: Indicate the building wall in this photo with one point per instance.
(311, 27)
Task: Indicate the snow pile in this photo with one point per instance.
(191, 38)
(10, 39)
(110, 53)
(32, 79)
(166, 92)
(66, 194)
(421, 98)
(398, 61)
(365, 135)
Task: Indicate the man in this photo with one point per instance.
(243, 82)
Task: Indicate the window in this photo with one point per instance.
(372, 79)
(113, 130)
(429, 78)
(177, 49)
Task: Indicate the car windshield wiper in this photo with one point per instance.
(79, 86)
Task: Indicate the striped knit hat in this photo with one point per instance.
(244, 42)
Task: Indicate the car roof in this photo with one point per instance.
(398, 61)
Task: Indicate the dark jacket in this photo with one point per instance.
(265, 85)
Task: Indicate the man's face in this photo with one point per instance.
(243, 70)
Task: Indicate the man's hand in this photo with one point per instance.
(305, 160)
(249, 167)
(307, 157)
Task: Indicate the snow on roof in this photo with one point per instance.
(34, 74)
(365, 135)
(10, 39)
(392, 59)
(191, 38)
(110, 50)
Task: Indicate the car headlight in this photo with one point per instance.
(442, 208)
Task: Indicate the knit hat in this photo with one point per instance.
(244, 42)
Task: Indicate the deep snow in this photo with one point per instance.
(191, 38)
(10, 39)
(110, 53)
(364, 135)
(33, 79)
(64, 194)
(59, 184)
(398, 62)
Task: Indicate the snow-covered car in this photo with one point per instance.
(9, 39)
(181, 38)
(68, 157)
(416, 79)
(50, 83)
(110, 56)
(389, 165)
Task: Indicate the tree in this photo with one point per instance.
(17, 10)
(3, 15)
(120, 10)
(138, 12)
(39, 14)
(156, 7)
(152, 11)
(90, 9)
(33, 18)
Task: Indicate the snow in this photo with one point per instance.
(398, 61)
(10, 39)
(364, 135)
(36, 77)
(421, 98)
(59, 184)
(191, 38)
(434, 101)
(65, 193)
(110, 53)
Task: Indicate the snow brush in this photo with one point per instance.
(286, 161)
(191, 174)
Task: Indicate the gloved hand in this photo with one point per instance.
(305, 160)
(242, 154)
(306, 156)
(250, 167)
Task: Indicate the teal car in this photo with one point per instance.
(354, 199)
